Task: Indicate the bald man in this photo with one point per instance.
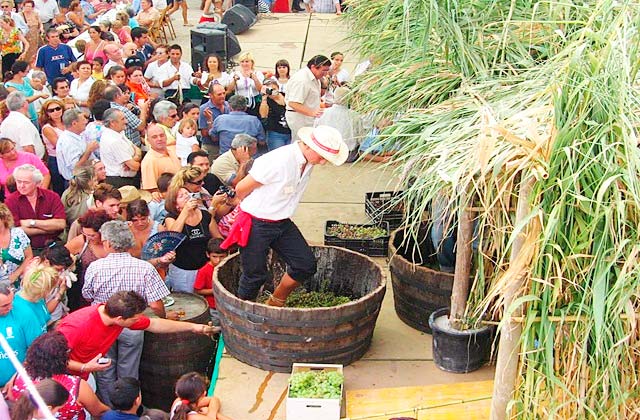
(158, 160)
(114, 54)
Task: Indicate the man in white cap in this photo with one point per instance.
(270, 194)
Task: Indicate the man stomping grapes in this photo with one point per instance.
(270, 195)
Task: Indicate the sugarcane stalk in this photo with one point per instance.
(508, 355)
(461, 281)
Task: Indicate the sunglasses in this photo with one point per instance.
(196, 182)
(51, 110)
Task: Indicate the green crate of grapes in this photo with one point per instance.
(384, 206)
(315, 392)
(371, 240)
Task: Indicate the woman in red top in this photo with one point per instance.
(47, 358)
(138, 85)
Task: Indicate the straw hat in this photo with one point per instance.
(130, 193)
(326, 141)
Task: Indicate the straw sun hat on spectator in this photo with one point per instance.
(325, 141)
(130, 193)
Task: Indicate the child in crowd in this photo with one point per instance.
(53, 394)
(96, 68)
(125, 398)
(192, 402)
(154, 414)
(186, 140)
(157, 212)
(204, 279)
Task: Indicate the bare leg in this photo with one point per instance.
(284, 289)
(184, 12)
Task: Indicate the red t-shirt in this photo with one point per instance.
(204, 280)
(87, 335)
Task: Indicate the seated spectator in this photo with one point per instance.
(73, 152)
(61, 89)
(16, 246)
(97, 70)
(154, 414)
(96, 93)
(11, 158)
(138, 85)
(66, 28)
(200, 159)
(37, 283)
(17, 125)
(147, 15)
(125, 398)
(230, 166)
(16, 79)
(78, 198)
(76, 16)
(100, 171)
(129, 54)
(371, 150)
(166, 115)
(120, 26)
(158, 160)
(52, 393)
(47, 358)
(105, 197)
(39, 86)
(191, 392)
(43, 221)
(120, 156)
(204, 279)
(157, 212)
(186, 140)
(226, 126)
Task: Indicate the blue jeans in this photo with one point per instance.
(275, 140)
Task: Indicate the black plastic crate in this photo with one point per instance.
(378, 206)
(378, 247)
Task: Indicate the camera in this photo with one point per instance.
(195, 196)
(230, 192)
(270, 91)
(103, 360)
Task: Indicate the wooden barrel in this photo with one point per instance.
(417, 289)
(166, 357)
(273, 338)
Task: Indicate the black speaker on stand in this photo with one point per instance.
(213, 38)
(239, 19)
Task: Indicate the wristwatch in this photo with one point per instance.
(32, 223)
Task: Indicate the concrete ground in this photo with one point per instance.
(399, 355)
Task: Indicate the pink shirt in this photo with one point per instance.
(23, 158)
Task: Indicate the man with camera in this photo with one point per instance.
(230, 166)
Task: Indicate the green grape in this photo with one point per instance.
(316, 384)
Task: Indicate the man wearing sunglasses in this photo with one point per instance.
(303, 95)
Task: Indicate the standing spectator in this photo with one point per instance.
(346, 121)
(166, 115)
(76, 16)
(37, 283)
(209, 111)
(47, 9)
(247, 81)
(116, 75)
(158, 160)
(213, 72)
(91, 331)
(61, 88)
(121, 157)
(13, 44)
(52, 127)
(114, 55)
(120, 26)
(139, 87)
(176, 75)
(78, 198)
(38, 211)
(18, 127)
(11, 158)
(18, 329)
(143, 228)
(204, 279)
(95, 127)
(121, 272)
(134, 125)
(106, 198)
(73, 151)
(67, 29)
(303, 94)
(337, 74)
(81, 86)
(179, 4)
(272, 110)
(16, 246)
(34, 29)
(17, 18)
(125, 398)
(55, 58)
(39, 85)
(282, 74)
(230, 167)
(327, 6)
(58, 257)
(226, 126)
(17, 80)
(97, 91)
(200, 159)
(152, 72)
(95, 45)
(157, 211)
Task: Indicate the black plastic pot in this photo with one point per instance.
(459, 351)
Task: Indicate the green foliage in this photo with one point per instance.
(316, 384)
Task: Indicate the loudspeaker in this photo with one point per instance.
(239, 19)
(212, 38)
(249, 4)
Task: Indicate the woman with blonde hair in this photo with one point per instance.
(184, 204)
(51, 127)
(78, 197)
(15, 246)
(247, 81)
(37, 283)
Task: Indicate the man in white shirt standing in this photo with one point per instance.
(19, 128)
(72, 150)
(121, 158)
(176, 74)
(270, 195)
(303, 94)
(47, 9)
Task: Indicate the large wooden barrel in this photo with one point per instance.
(273, 338)
(166, 357)
(418, 287)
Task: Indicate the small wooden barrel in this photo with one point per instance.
(273, 338)
(166, 357)
(417, 289)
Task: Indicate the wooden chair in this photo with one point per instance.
(166, 24)
(156, 32)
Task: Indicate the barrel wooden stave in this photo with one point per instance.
(273, 338)
(417, 290)
(166, 357)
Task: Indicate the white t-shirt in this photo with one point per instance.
(21, 130)
(224, 79)
(184, 147)
(152, 74)
(115, 150)
(81, 92)
(282, 185)
(168, 70)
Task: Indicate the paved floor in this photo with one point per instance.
(399, 355)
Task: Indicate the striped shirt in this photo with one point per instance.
(120, 271)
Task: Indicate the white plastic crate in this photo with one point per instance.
(314, 408)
